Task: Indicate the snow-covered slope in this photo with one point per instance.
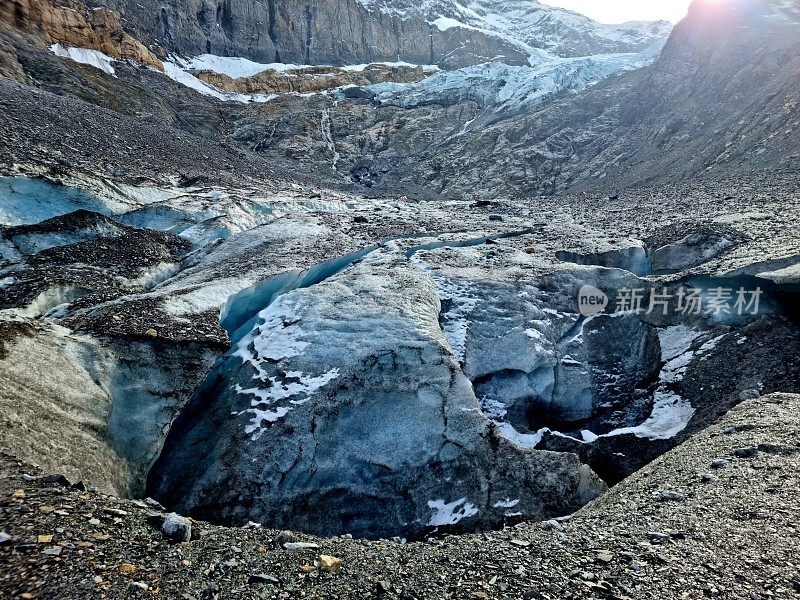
(532, 24)
(509, 87)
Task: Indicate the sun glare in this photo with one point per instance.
(619, 11)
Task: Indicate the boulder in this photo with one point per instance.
(176, 528)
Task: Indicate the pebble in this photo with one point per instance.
(329, 564)
(258, 578)
(138, 584)
(671, 496)
(53, 551)
(5, 538)
(300, 546)
(720, 463)
(605, 556)
(115, 511)
(127, 568)
(520, 543)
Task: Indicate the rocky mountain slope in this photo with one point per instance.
(484, 133)
(344, 32)
(513, 130)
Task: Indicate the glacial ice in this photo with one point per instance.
(26, 201)
(505, 86)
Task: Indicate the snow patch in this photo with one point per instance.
(445, 23)
(85, 56)
(523, 440)
(452, 513)
(297, 388)
(507, 503)
(670, 416)
(277, 337)
(233, 66)
(671, 413)
(177, 69)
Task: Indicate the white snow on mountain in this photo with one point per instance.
(232, 66)
(546, 27)
(178, 69)
(510, 86)
(93, 58)
(530, 24)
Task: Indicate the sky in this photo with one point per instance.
(619, 11)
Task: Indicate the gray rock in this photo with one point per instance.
(720, 463)
(748, 452)
(671, 496)
(117, 512)
(177, 528)
(260, 578)
(353, 32)
(300, 546)
(751, 394)
(57, 479)
(154, 503)
(550, 525)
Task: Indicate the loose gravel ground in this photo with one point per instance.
(715, 517)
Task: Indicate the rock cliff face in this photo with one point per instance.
(71, 22)
(315, 32)
(361, 31)
(312, 79)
